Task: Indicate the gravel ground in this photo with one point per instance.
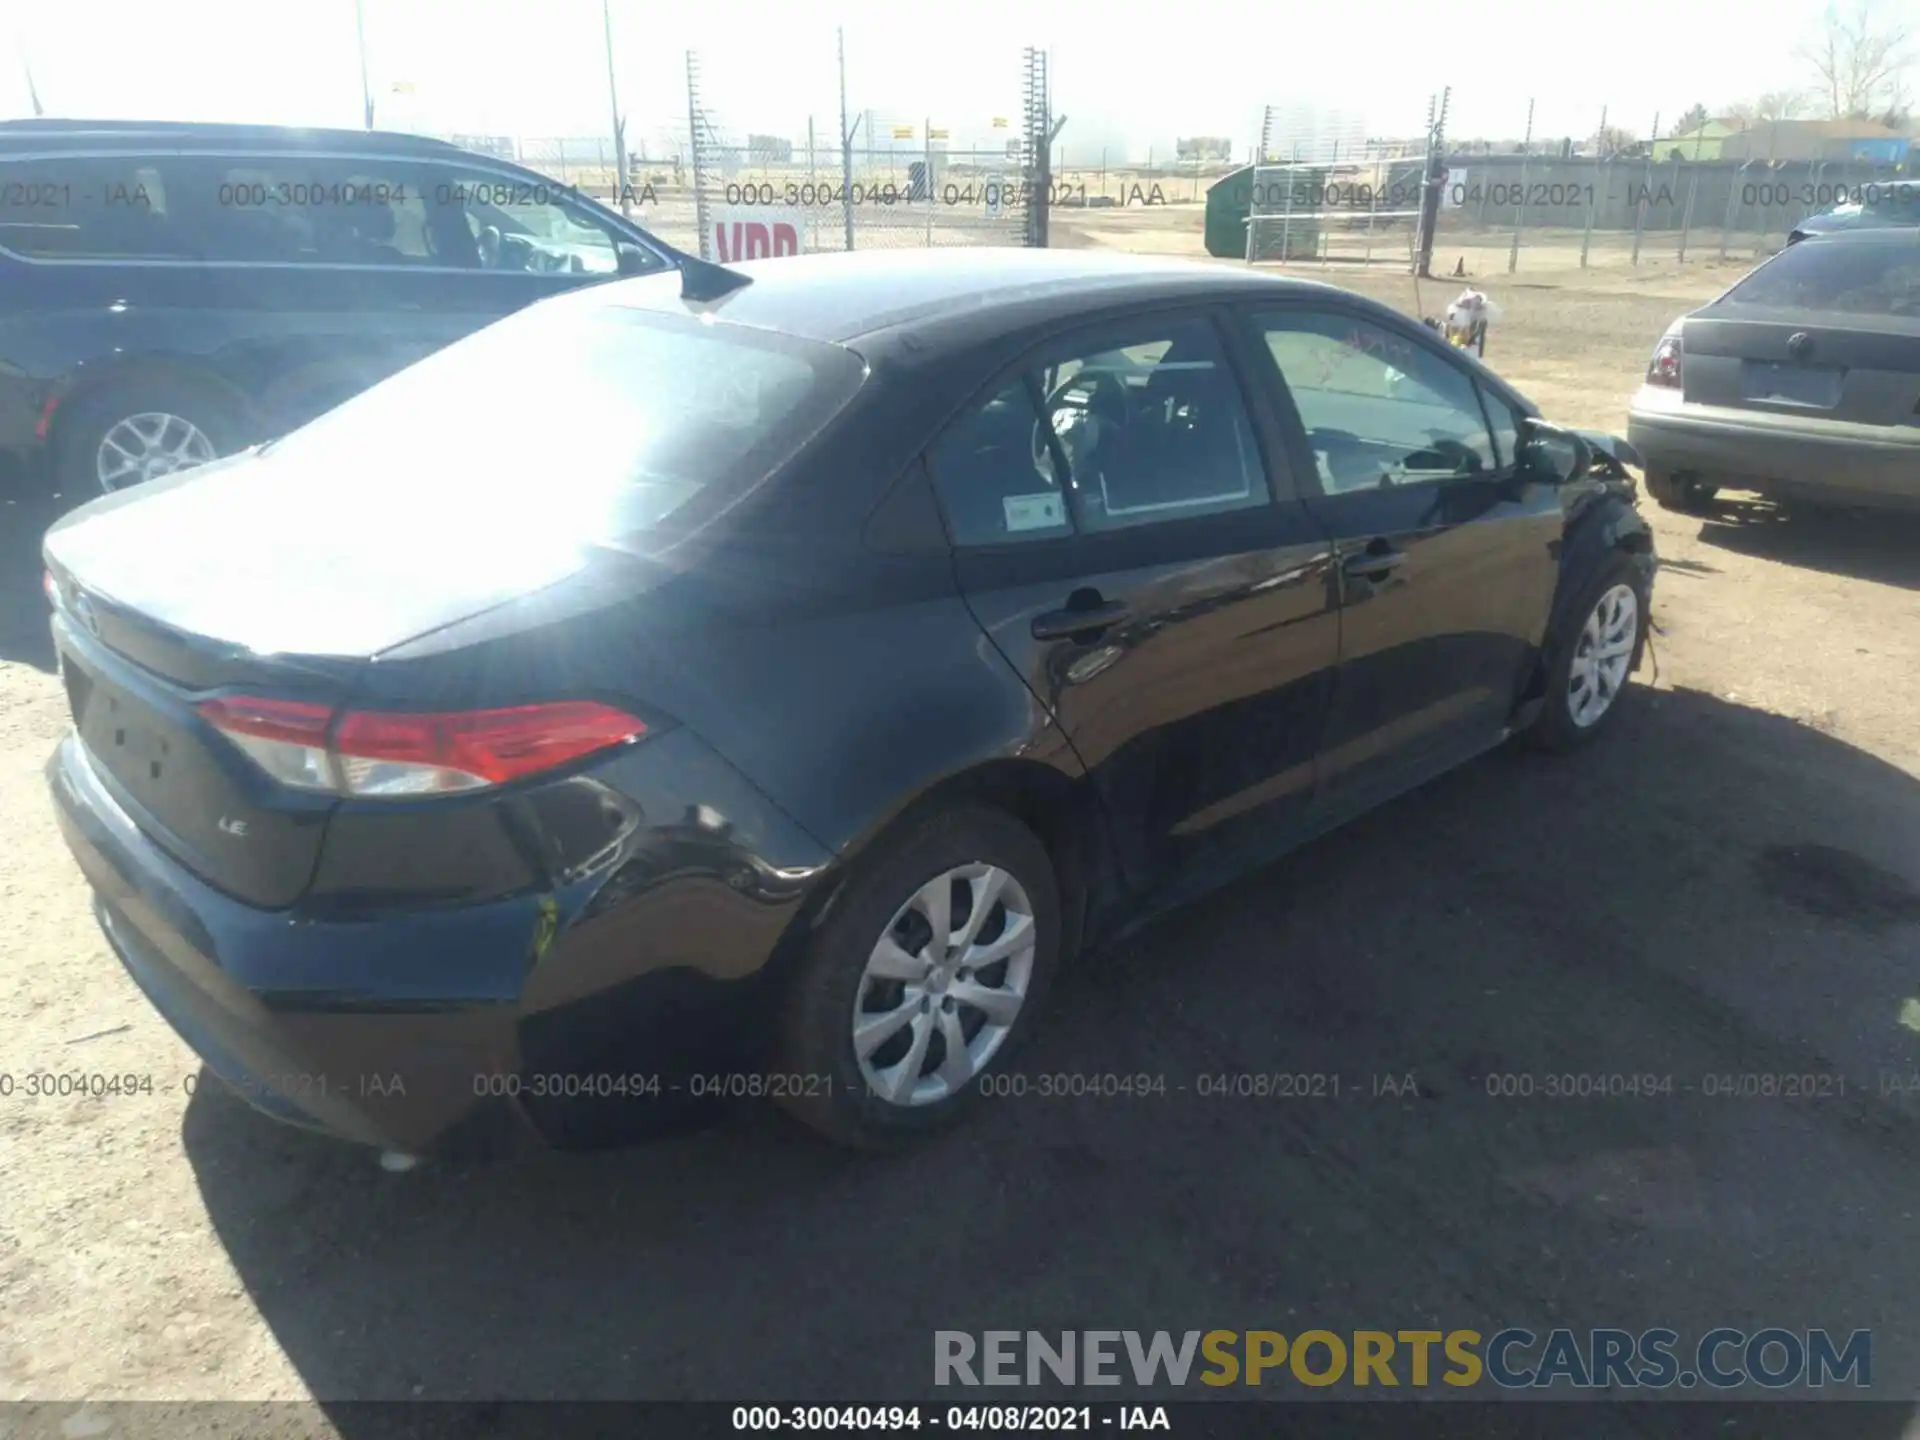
(1729, 886)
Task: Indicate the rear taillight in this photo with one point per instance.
(1664, 368)
(399, 754)
(285, 738)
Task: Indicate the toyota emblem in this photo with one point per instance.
(1800, 345)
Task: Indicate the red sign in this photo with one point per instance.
(754, 234)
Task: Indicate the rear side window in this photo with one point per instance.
(87, 208)
(1872, 278)
(1132, 429)
(576, 420)
(284, 209)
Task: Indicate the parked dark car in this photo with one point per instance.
(1801, 383)
(170, 293)
(760, 682)
(1883, 204)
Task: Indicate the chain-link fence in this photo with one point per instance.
(1323, 189)
(1664, 202)
(850, 178)
(867, 179)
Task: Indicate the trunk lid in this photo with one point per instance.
(1857, 368)
(250, 576)
(274, 555)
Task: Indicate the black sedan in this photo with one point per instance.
(1801, 383)
(761, 681)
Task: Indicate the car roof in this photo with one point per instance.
(44, 134)
(1867, 235)
(841, 296)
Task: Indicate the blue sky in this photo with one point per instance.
(1130, 76)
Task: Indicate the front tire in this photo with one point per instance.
(926, 976)
(1588, 664)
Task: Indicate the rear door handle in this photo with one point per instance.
(1372, 564)
(1060, 624)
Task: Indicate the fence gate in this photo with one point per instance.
(1322, 190)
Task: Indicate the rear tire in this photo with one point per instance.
(179, 421)
(863, 1094)
(1680, 494)
(1584, 680)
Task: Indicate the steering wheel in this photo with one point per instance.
(1083, 411)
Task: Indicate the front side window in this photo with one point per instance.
(527, 225)
(1379, 409)
(1131, 430)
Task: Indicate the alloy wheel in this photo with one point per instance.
(146, 446)
(1603, 655)
(944, 985)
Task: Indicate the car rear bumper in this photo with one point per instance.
(1855, 464)
(543, 1007)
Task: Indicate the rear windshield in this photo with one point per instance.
(605, 421)
(1852, 279)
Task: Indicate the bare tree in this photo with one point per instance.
(1613, 141)
(1691, 119)
(1861, 55)
(1774, 105)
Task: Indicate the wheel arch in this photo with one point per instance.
(1610, 524)
(1061, 810)
(101, 377)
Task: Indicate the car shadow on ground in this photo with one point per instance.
(1494, 1055)
(26, 510)
(1883, 547)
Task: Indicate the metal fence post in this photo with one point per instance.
(1373, 208)
(1686, 220)
(1736, 185)
(1286, 212)
(694, 122)
(1593, 192)
(846, 140)
(1520, 205)
(1646, 191)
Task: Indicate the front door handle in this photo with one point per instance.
(1072, 622)
(1373, 564)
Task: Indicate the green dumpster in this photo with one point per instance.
(1230, 202)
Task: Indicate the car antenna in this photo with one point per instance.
(703, 280)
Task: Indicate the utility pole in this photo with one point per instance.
(366, 87)
(619, 124)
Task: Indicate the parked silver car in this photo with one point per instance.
(1802, 382)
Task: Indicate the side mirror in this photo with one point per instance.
(632, 260)
(1552, 454)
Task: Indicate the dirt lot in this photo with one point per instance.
(1730, 886)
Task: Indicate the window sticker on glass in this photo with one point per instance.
(1042, 511)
